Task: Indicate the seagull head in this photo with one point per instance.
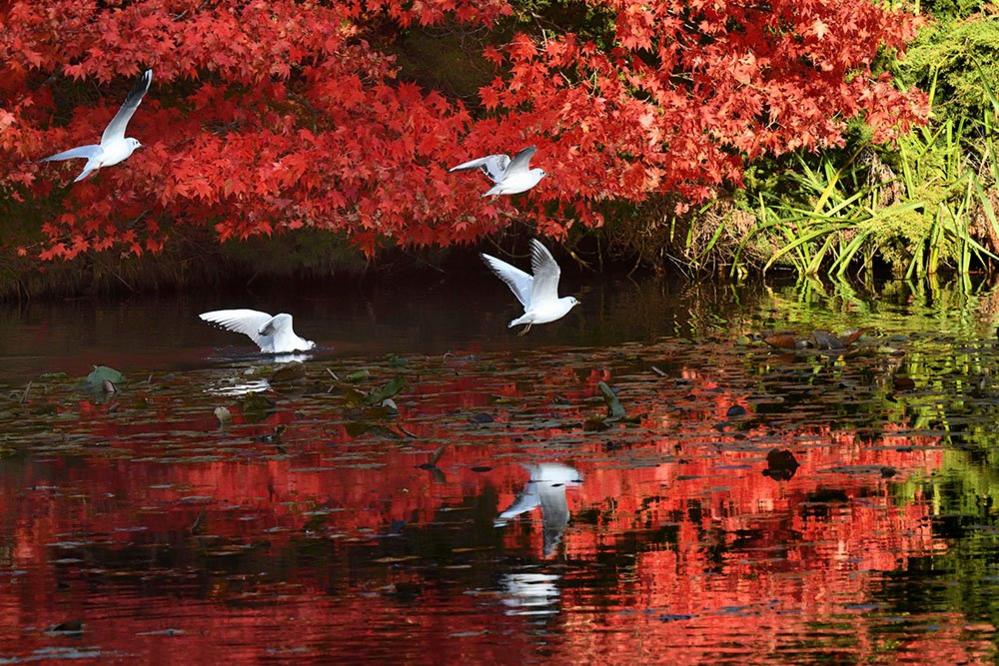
(133, 144)
(309, 344)
(573, 302)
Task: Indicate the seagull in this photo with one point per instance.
(538, 294)
(114, 147)
(546, 488)
(510, 176)
(272, 333)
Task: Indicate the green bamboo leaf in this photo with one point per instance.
(797, 243)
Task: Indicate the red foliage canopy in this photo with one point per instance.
(267, 115)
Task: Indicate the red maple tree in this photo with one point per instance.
(269, 115)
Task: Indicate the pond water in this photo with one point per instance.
(644, 480)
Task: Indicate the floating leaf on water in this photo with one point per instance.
(614, 408)
(256, 407)
(289, 373)
(358, 375)
(395, 361)
(781, 465)
(678, 617)
(378, 396)
(162, 632)
(782, 340)
(596, 424)
(100, 374)
(357, 428)
(275, 436)
(826, 340)
(849, 336)
(68, 628)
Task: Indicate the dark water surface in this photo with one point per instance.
(430, 488)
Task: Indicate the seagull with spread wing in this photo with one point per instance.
(114, 147)
(538, 293)
(272, 333)
(510, 176)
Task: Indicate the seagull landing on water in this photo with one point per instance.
(114, 147)
(511, 176)
(538, 293)
(272, 333)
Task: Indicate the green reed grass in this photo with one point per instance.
(925, 205)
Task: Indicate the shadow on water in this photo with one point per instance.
(665, 472)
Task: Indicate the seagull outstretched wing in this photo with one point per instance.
(115, 131)
(546, 274)
(520, 283)
(521, 162)
(248, 322)
(493, 166)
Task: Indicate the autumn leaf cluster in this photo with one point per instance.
(270, 115)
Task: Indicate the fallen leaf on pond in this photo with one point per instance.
(96, 380)
(256, 407)
(357, 376)
(849, 336)
(289, 373)
(781, 465)
(826, 340)
(379, 396)
(615, 410)
(68, 628)
(783, 340)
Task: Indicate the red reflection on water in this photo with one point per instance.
(175, 540)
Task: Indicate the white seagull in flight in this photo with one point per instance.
(510, 176)
(538, 293)
(272, 333)
(114, 147)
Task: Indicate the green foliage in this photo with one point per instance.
(917, 207)
(951, 8)
(957, 59)
(923, 204)
(926, 203)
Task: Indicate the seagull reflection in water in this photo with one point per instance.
(546, 488)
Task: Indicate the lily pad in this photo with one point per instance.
(378, 396)
(95, 381)
(615, 410)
